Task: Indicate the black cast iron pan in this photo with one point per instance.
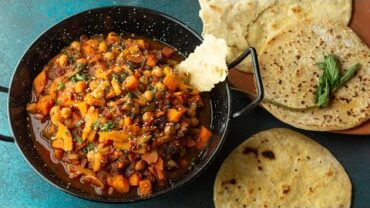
(139, 21)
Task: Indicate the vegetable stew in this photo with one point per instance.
(115, 117)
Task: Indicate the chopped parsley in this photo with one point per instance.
(61, 86)
(78, 140)
(79, 77)
(119, 77)
(130, 95)
(71, 60)
(81, 67)
(95, 125)
(88, 148)
(107, 126)
(79, 122)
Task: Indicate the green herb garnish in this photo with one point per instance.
(149, 108)
(81, 66)
(119, 77)
(107, 126)
(130, 95)
(71, 60)
(88, 148)
(61, 86)
(95, 125)
(329, 82)
(79, 77)
(116, 77)
(79, 122)
(331, 79)
(78, 140)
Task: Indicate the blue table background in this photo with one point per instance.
(21, 21)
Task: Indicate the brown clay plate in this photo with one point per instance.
(360, 23)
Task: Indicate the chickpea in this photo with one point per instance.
(75, 45)
(169, 130)
(68, 122)
(148, 116)
(158, 72)
(126, 106)
(66, 112)
(109, 56)
(80, 86)
(118, 69)
(55, 114)
(148, 95)
(93, 85)
(147, 73)
(112, 37)
(72, 156)
(98, 93)
(82, 61)
(143, 80)
(62, 60)
(159, 86)
(140, 165)
(103, 47)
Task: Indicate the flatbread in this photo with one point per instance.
(285, 12)
(290, 75)
(249, 23)
(281, 168)
(206, 66)
(230, 19)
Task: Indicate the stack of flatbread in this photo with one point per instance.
(250, 23)
(291, 37)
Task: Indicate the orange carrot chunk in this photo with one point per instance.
(151, 157)
(134, 179)
(171, 82)
(203, 137)
(120, 184)
(131, 83)
(159, 165)
(145, 187)
(151, 61)
(44, 105)
(174, 115)
(40, 82)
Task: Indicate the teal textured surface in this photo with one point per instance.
(22, 21)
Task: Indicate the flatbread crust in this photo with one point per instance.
(281, 168)
(249, 23)
(290, 75)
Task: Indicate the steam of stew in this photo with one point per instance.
(117, 115)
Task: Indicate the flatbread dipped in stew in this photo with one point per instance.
(117, 116)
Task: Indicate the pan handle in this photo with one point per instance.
(3, 137)
(257, 76)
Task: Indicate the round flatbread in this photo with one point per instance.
(249, 23)
(281, 168)
(290, 75)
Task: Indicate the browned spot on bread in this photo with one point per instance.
(249, 150)
(231, 181)
(286, 189)
(268, 154)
